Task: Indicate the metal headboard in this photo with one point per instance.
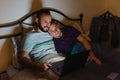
(22, 19)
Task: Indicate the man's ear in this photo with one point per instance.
(37, 20)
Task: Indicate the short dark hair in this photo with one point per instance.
(42, 11)
(54, 22)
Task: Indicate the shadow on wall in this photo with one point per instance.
(35, 5)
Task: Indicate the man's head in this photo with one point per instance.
(54, 30)
(43, 19)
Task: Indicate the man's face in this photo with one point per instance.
(55, 31)
(44, 21)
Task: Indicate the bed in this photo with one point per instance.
(108, 71)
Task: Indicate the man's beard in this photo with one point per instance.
(41, 28)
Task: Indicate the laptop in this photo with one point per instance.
(70, 64)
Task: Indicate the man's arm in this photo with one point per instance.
(31, 64)
(86, 44)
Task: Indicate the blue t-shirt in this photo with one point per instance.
(66, 43)
(78, 48)
(38, 44)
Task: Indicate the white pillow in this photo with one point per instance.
(15, 48)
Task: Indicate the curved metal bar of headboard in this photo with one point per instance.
(22, 19)
(30, 14)
(8, 36)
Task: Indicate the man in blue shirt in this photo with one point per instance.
(38, 49)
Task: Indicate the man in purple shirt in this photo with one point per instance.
(67, 38)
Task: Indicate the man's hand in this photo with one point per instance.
(93, 58)
(46, 66)
(96, 60)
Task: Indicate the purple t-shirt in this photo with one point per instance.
(66, 43)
